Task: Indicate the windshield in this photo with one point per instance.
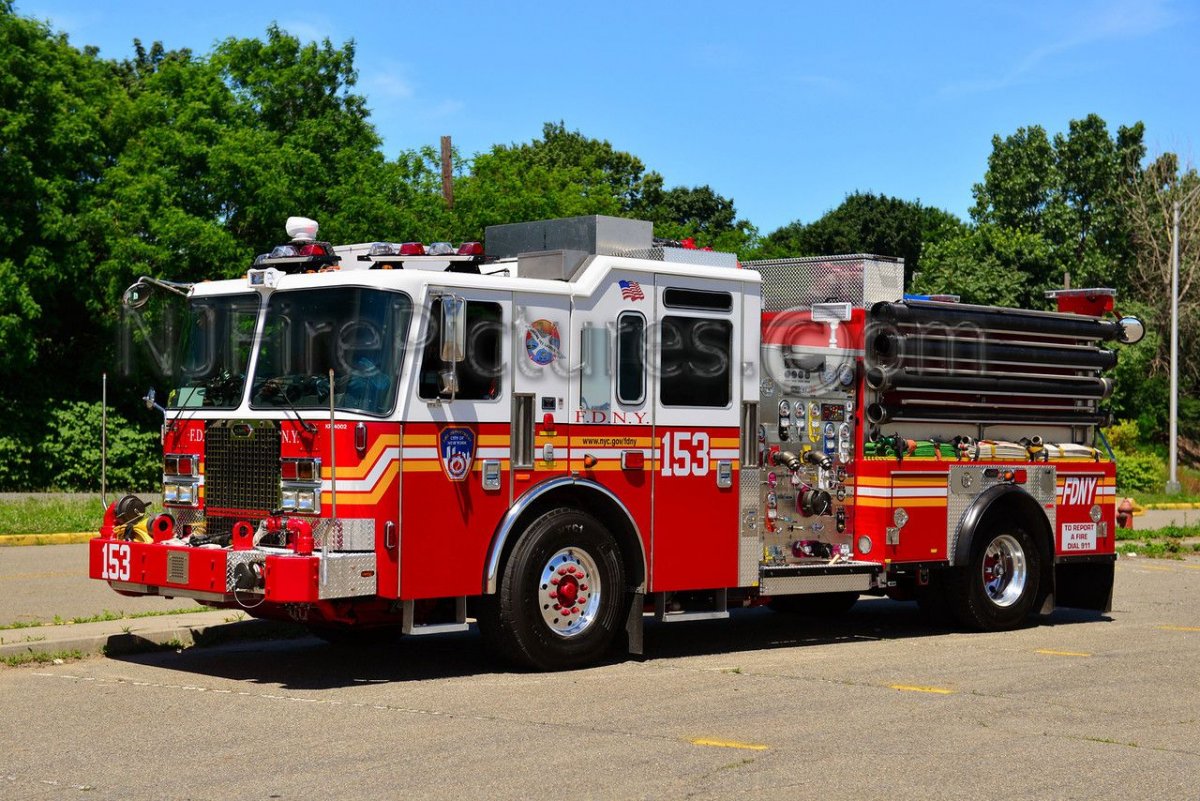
(214, 351)
(358, 333)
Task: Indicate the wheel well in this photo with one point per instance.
(1009, 503)
(611, 515)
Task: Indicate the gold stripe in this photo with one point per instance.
(905, 502)
(364, 498)
(364, 467)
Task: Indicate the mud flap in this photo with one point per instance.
(633, 623)
(1085, 584)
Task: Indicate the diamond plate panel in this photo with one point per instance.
(344, 577)
(800, 585)
(968, 481)
(350, 534)
(750, 535)
(859, 279)
(704, 258)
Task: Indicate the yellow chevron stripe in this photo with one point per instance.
(365, 498)
(364, 468)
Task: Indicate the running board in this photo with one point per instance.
(818, 578)
(409, 627)
(720, 609)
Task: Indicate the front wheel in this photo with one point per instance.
(997, 589)
(559, 600)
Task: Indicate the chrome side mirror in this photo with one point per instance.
(1132, 330)
(454, 329)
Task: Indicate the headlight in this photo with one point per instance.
(307, 502)
(181, 493)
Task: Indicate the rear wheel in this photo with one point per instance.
(559, 600)
(998, 588)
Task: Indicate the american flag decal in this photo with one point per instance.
(631, 290)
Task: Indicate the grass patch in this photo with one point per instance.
(40, 658)
(1171, 549)
(104, 616)
(51, 515)
(1165, 533)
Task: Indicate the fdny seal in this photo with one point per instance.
(457, 451)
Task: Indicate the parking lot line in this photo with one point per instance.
(1178, 628)
(728, 744)
(1049, 652)
(912, 688)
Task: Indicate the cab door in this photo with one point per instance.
(540, 373)
(696, 417)
(457, 477)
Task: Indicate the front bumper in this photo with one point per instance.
(209, 574)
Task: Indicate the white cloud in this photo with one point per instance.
(1089, 24)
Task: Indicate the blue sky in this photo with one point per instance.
(785, 107)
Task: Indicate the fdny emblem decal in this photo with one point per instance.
(456, 449)
(542, 342)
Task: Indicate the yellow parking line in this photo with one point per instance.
(1178, 628)
(911, 688)
(1153, 567)
(728, 744)
(1049, 652)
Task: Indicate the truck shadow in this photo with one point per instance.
(284, 656)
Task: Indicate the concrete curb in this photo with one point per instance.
(131, 635)
(46, 539)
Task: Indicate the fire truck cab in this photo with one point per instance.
(582, 426)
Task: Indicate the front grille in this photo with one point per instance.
(241, 474)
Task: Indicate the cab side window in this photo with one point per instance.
(481, 371)
(696, 362)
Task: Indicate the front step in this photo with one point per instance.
(720, 609)
(818, 578)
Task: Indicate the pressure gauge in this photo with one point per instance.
(785, 408)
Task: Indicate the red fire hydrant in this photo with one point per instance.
(1125, 513)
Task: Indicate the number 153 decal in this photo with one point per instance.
(684, 453)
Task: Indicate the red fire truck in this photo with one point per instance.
(581, 426)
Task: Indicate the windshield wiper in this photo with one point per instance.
(307, 426)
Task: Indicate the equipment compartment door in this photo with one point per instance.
(456, 448)
(697, 384)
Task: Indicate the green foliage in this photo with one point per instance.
(1068, 191)
(1138, 467)
(863, 223)
(51, 515)
(71, 451)
(987, 264)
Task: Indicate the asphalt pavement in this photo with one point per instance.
(875, 705)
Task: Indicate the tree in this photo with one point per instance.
(863, 223)
(1068, 191)
(989, 264)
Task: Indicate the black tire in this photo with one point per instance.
(821, 604)
(563, 550)
(998, 588)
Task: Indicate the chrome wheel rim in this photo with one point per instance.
(1005, 570)
(569, 592)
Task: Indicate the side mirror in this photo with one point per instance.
(136, 296)
(149, 399)
(1132, 330)
(454, 330)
